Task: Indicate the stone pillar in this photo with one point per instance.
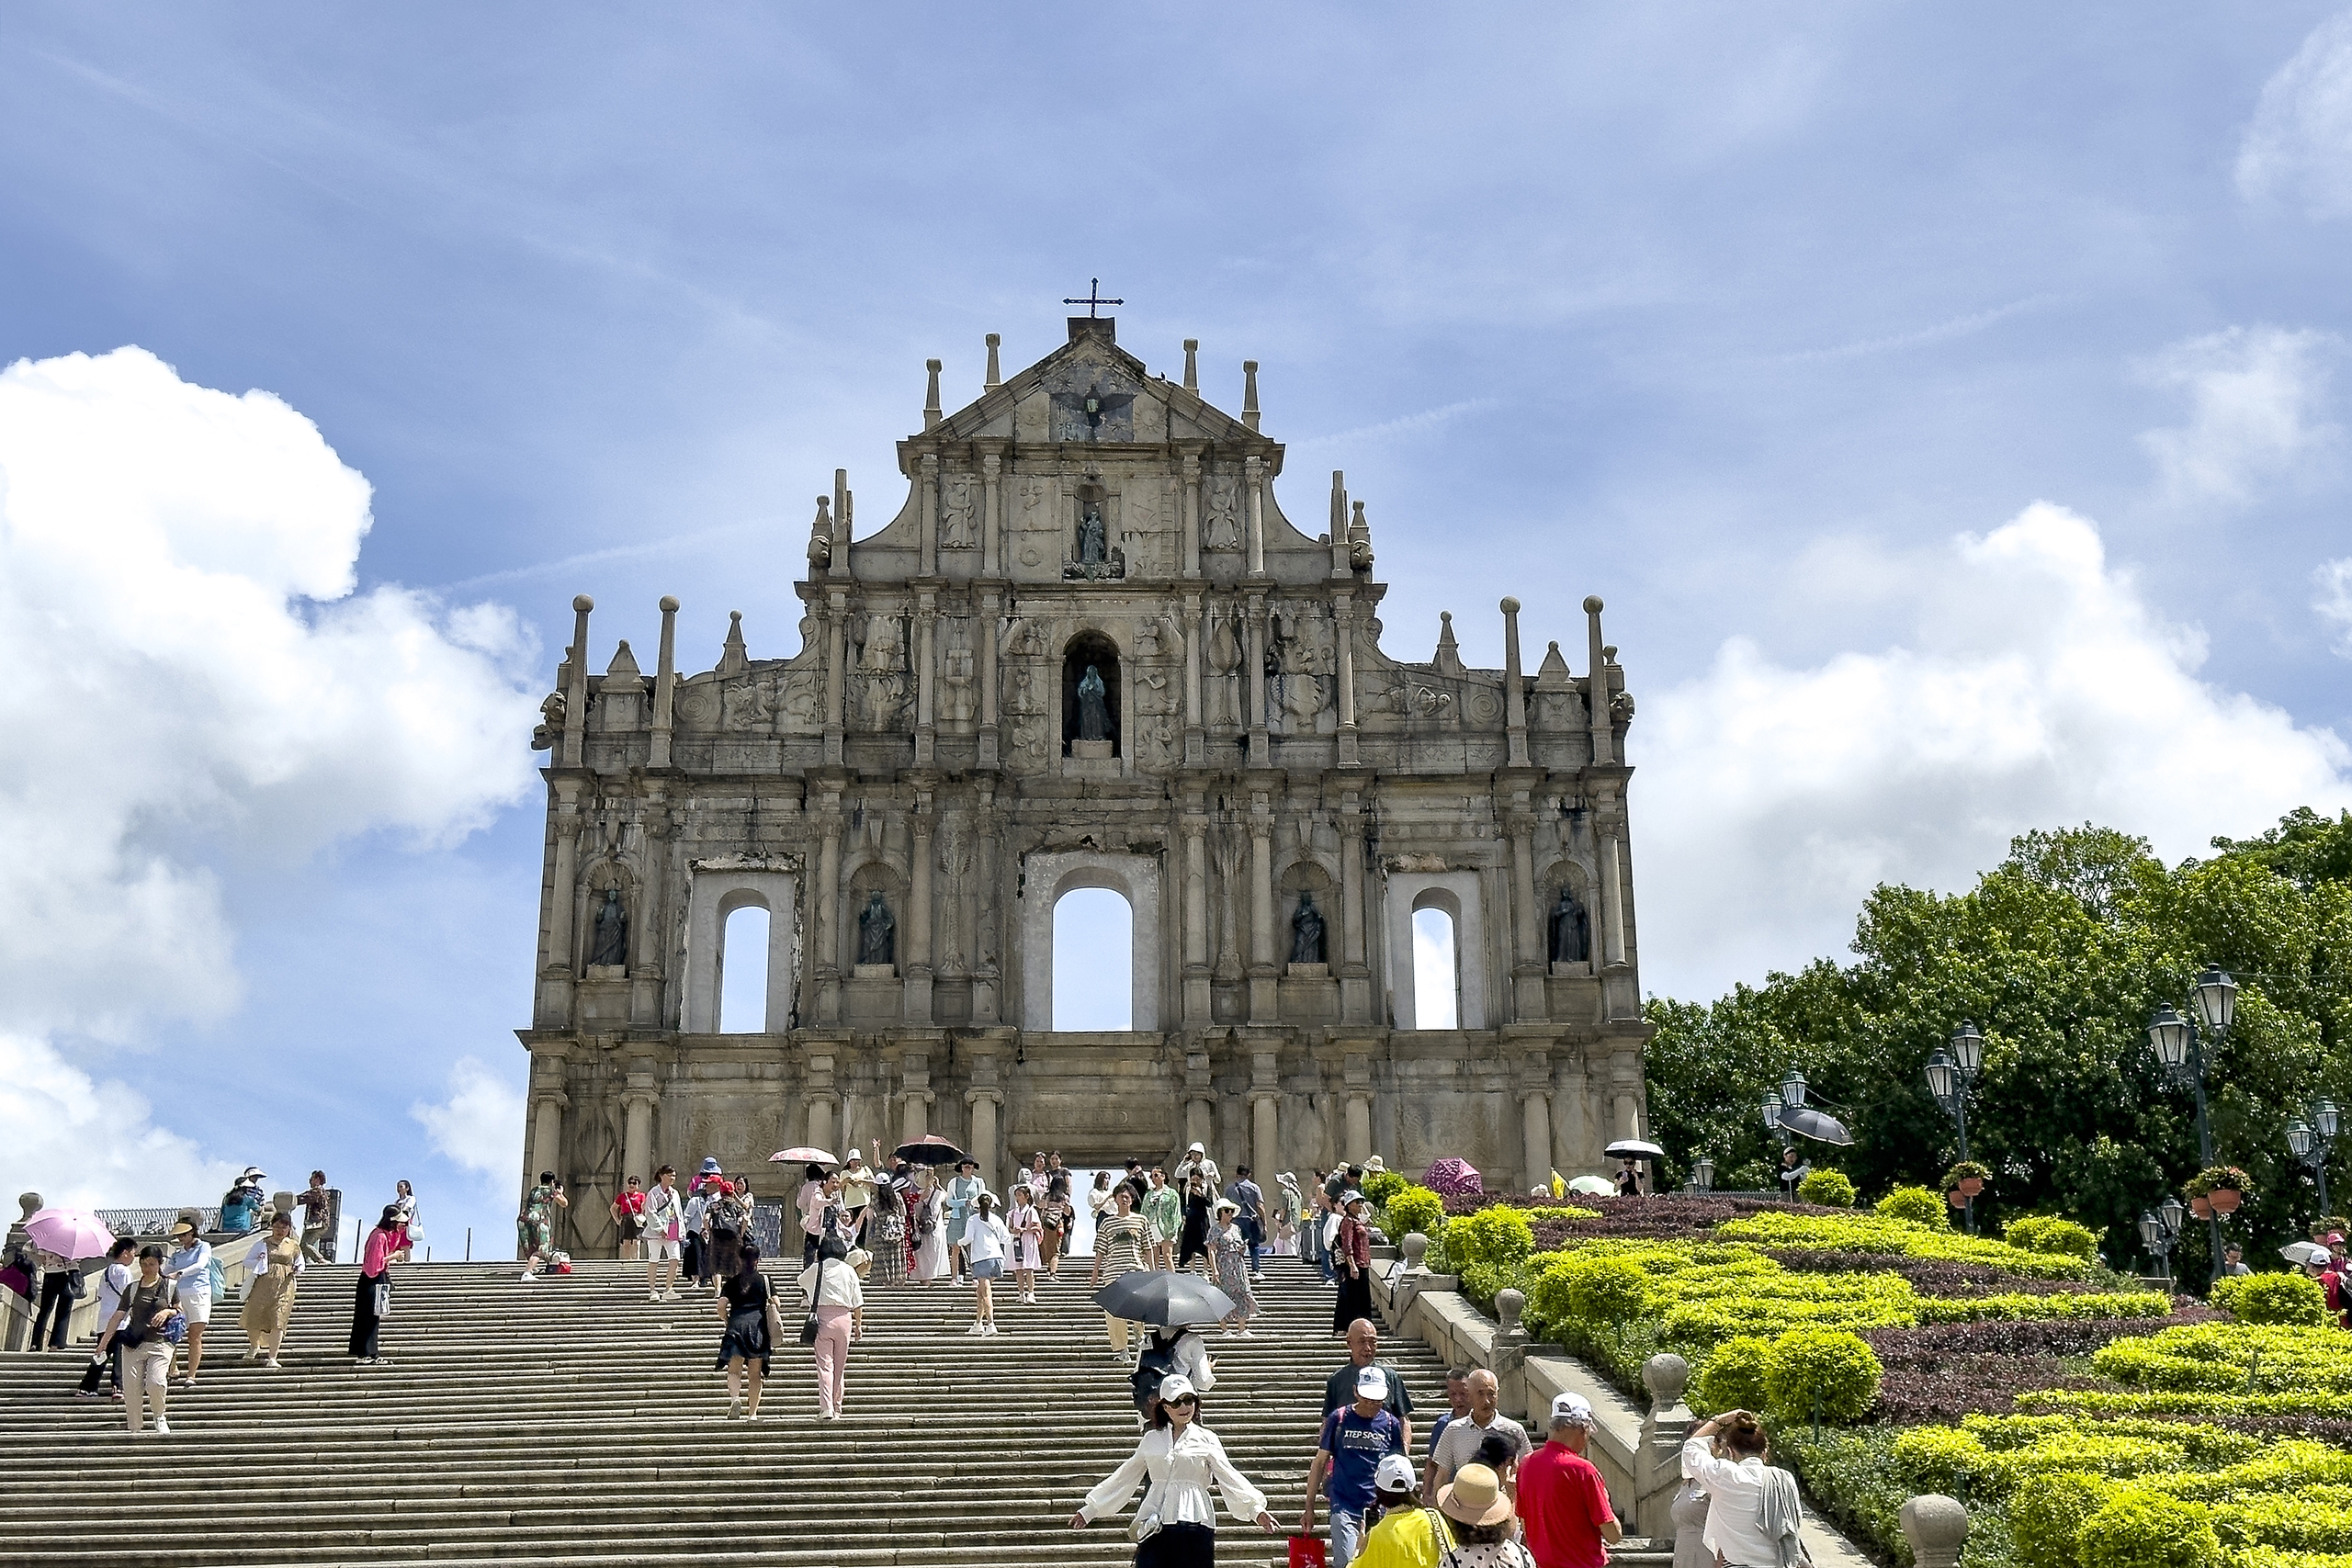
(1254, 477)
(1355, 975)
(1195, 748)
(1528, 968)
(1190, 504)
(1514, 689)
(990, 606)
(637, 1102)
(1612, 902)
(1195, 829)
(926, 671)
(991, 517)
(1597, 701)
(984, 1103)
(1657, 1462)
(820, 1122)
(915, 1098)
(1253, 682)
(575, 697)
(1359, 1126)
(563, 893)
(1625, 1091)
(1343, 611)
(665, 684)
(1265, 1155)
(546, 1130)
(824, 906)
(1535, 1126)
(1263, 966)
(919, 967)
(988, 917)
(1937, 1528)
(836, 672)
(927, 513)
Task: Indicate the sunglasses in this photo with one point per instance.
(1185, 1399)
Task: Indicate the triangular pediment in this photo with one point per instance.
(1091, 390)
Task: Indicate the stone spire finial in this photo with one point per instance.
(1193, 366)
(1249, 393)
(1514, 689)
(665, 682)
(575, 707)
(1359, 540)
(996, 378)
(624, 667)
(1449, 655)
(820, 536)
(1597, 692)
(931, 396)
(732, 659)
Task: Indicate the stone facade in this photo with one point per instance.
(931, 753)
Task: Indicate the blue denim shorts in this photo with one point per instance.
(988, 1269)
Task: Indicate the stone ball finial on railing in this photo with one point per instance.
(30, 1203)
(1417, 1248)
(1665, 1375)
(1508, 1305)
(1937, 1528)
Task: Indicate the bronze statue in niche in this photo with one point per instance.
(611, 943)
(1571, 930)
(1307, 932)
(1090, 704)
(877, 933)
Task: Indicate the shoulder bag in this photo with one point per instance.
(808, 1324)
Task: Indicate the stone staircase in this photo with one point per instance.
(571, 1420)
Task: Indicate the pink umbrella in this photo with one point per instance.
(72, 1234)
(804, 1157)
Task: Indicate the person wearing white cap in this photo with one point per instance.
(1347, 1453)
(1405, 1536)
(1196, 1162)
(1563, 1504)
(1176, 1523)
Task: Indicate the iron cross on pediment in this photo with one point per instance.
(1093, 297)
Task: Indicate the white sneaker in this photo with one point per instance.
(976, 1329)
(669, 1295)
(528, 1276)
(652, 1295)
(163, 1426)
(991, 1329)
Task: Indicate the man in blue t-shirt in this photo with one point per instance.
(1355, 1438)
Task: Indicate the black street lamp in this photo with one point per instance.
(1702, 1175)
(1951, 1075)
(2309, 1142)
(2180, 1051)
(2160, 1233)
(1773, 1109)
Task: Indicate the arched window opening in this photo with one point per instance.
(1093, 961)
(1437, 987)
(1085, 710)
(743, 973)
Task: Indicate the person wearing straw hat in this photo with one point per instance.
(190, 1268)
(272, 1264)
(1176, 1523)
(1229, 1263)
(1480, 1514)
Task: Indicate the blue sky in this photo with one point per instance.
(1947, 405)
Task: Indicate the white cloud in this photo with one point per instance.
(194, 684)
(77, 1141)
(2334, 601)
(2036, 690)
(2299, 145)
(2254, 414)
(479, 1126)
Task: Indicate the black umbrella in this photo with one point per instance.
(1807, 1122)
(1169, 1300)
(931, 1150)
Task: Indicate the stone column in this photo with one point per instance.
(1514, 689)
(1625, 1089)
(1535, 1125)
(1195, 748)
(666, 683)
(1359, 1126)
(1612, 902)
(546, 1130)
(820, 1122)
(988, 923)
(918, 969)
(1196, 916)
(926, 671)
(824, 907)
(1343, 612)
(1265, 1156)
(637, 1102)
(1192, 514)
(836, 672)
(563, 893)
(915, 1096)
(1253, 682)
(927, 536)
(1254, 476)
(991, 517)
(575, 697)
(1597, 701)
(1355, 975)
(1528, 968)
(991, 607)
(1263, 966)
(984, 1103)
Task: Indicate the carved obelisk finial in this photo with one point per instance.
(995, 378)
(665, 682)
(931, 396)
(1249, 393)
(1597, 691)
(1192, 365)
(1514, 689)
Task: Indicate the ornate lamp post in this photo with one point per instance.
(1773, 1108)
(2160, 1233)
(1951, 1075)
(1702, 1175)
(2309, 1142)
(2180, 1051)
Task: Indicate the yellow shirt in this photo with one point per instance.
(1404, 1538)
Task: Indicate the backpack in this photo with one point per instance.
(1154, 1362)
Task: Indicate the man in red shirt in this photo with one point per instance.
(1562, 1501)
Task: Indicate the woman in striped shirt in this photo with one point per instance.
(1119, 1238)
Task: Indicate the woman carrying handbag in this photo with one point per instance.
(747, 1307)
(834, 1288)
(1351, 1262)
(1176, 1524)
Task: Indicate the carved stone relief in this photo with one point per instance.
(1220, 517)
(958, 526)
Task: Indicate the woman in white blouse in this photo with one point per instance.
(1176, 1525)
(1753, 1514)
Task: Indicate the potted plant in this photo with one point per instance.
(2221, 1188)
(1967, 1179)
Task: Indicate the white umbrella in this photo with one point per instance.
(2301, 1252)
(1594, 1186)
(1633, 1148)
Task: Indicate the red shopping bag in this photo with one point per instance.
(1307, 1551)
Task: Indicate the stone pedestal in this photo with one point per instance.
(1937, 1528)
(1657, 1464)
